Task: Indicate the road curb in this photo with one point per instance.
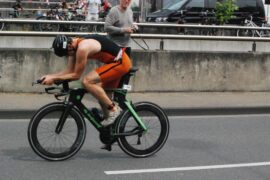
(28, 113)
(217, 111)
(16, 114)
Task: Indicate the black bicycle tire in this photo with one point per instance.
(38, 26)
(126, 147)
(245, 33)
(100, 29)
(47, 18)
(80, 28)
(37, 118)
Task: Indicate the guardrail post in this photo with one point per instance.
(254, 46)
(161, 45)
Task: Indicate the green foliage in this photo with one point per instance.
(225, 10)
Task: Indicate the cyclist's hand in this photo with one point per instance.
(47, 80)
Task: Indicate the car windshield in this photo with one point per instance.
(175, 6)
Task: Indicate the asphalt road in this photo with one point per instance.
(198, 148)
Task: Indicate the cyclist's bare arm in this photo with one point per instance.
(68, 70)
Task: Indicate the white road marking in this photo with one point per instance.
(218, 116)
(15, 120)
(226, 166)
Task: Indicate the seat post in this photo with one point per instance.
(125, 79)
(120, 93)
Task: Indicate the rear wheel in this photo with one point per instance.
(48, 26)
(144, 143)
(97, 28)
(245, 32)
(79, 27)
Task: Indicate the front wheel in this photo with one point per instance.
(245, 32)
(144, 143)
(54, 146)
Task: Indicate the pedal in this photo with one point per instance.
(107, 147)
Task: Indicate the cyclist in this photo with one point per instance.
(78, 51)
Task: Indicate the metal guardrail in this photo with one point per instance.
(33, 21)
(150, 25)
(33, 1)
(137, 36)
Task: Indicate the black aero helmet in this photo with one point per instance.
(60, 45)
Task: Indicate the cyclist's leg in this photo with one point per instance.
(108, 85)
(110, 75)
(112, 72)
(92, 83)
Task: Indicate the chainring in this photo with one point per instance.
(106, 136)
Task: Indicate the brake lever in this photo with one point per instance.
(39, 81)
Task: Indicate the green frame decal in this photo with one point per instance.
(88, 115)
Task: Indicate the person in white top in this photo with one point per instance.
(93, 10)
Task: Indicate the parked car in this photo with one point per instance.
(194, 11)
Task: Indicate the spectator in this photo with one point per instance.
(64, 5)
(106, 5)
(39, 12)
(119, 24)
(105, 8)
(64, 9)
(80, 7)
(93, 7)
(17, 9)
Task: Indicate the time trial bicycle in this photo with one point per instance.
(57, 130)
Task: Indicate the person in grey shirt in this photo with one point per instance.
(119, 24)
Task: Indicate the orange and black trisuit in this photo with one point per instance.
(117, 62)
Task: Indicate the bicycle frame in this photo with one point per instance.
(75, 99)
(250, 23)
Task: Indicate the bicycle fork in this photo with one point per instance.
(63, 118)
